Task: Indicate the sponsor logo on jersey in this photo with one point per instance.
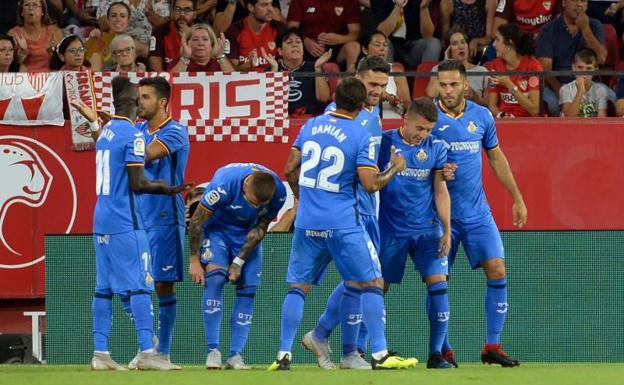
(471, 146)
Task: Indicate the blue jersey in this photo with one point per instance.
(407, 203)
(464, 136)
(119, 145)
(332, 147)
(370, 120)
(224, 197)
(161, 209)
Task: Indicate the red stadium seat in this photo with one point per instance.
(333, 80)
(612, 44)
(420, 83)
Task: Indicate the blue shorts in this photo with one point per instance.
(123, 262)
(351, 249)
(481, 240)
(167, 249)
(422, 248)
(219, 248)
(371, 225)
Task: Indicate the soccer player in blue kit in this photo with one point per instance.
(467, 128)
(343, 305)
(232, 218)
(329, 154)
(123, 264)
(415, 217)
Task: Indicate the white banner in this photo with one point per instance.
(78, 87)
(31, 99)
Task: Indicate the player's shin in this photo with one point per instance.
(374, 316)
(495, 309)
(331, 316)
(350, 319)
(167, 309)
(438, 313)
(142, 312)
(212, 306)
(292, 313)
(102, 320)
(241, 320)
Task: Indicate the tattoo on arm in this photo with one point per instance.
(254, 237)
(200, 216)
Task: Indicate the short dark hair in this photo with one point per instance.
(452, 31)
(350, 94)
(262, 184)
(285, 34)
(424, 107)
(173, 3)
(523, 42)
(586, 55)
(126, 6)
(452, 65)
(122, 90)
(373, 63)
(160, 85)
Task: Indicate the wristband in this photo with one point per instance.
(238, 261)
(94, 126)
(185, 60)
(221, 57)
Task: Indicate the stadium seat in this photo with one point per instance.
(420, 83)
(612, 44)
(333, 80)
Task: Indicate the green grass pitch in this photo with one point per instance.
(473, 374)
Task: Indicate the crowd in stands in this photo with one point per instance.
(524, 36)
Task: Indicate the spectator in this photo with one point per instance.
(584, 97)
(202, 51)
(396, 97)
(78, 13)
(306, 95)
(69, 55)
(98, 51)
(516, 95)
(8, 55)
(229, 12)
(124, 54)
(330, 24)
(205, 11)
(247, 37)
(35, 35)
(529, 15)
(560, 39)
(410, 28)
(607, 11)
(619, 94)
(144, 14)
(475, 17)
(457, 42)
(166, 40)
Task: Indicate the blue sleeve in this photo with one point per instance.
(134, 149)
(277, 202)
(544, 47)
(441, 155)
(384, 150)
(173, 137)
(619, 90)
(366, 150)
(490, 139)
(217, 193)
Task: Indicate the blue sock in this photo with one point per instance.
(373, 312)
(167, 309)
(292, 312)
(438, 315)
(241, 318)
(495, 309)
(102, 309)
(362, 341)
(142, 312)
(212, 306)
(125, 302)
(331, 316)
(446, 346)
(350, 319)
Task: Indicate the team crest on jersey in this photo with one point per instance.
(547, 5)
(523, 85)
(338, 10)
(139, 147)
(472, 127)
(421, 155)
(271, 45)
(213, 197)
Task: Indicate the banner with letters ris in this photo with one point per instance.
(234, 107)
(31, 99)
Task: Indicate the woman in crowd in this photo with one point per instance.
(35, 35)
(511, 96)
(69, 55)
(457, 48)
(124, 54)
(8, 55)
(202, 51)
(397, 96)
